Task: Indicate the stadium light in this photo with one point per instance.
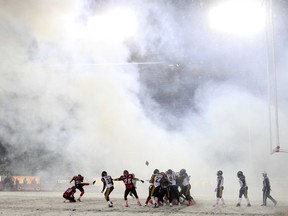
(239, 17)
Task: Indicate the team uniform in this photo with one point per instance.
(152, 191)
(243, 189)
(219, 188)
(266, 190)
(156, 190)
(79, 184)
(128, 181)
(108, 185)
(173, 188)
(149, 198)
(164, 193)
(134, 183)
(69, 194)
(185, 187)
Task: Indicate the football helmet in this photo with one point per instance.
(80, 177)
(239, 173)
(156, 171)
(219, 172)
(125, 173)
(169, 171)
(182, 171)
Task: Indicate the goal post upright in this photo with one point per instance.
(272, 83)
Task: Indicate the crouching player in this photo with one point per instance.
(69, 194)
(79, 184)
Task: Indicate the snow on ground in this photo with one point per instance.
(51, 203)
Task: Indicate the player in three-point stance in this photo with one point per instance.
(109, 185)
(128, 181)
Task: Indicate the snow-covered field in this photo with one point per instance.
(51, 203)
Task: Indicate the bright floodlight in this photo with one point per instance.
(116, 24)
(241, 17)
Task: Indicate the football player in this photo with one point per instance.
(128, 181)
(109, 185)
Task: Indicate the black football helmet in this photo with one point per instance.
(156, 171)
(182, 171)
(104, 173)
(239, 173)
(169, 171)
(219, 173)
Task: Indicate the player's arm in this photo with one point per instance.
(104, 185)
(136, 179)
(152, 179)
(218, 185)
(72, 179)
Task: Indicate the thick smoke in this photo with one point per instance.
(74, 102)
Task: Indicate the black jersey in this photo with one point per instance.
(242, 181)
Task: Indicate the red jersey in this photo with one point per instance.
(128, 180)
(78, 179)
(69, 192)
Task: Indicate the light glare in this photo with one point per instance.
(238, 17)
(117, 24)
